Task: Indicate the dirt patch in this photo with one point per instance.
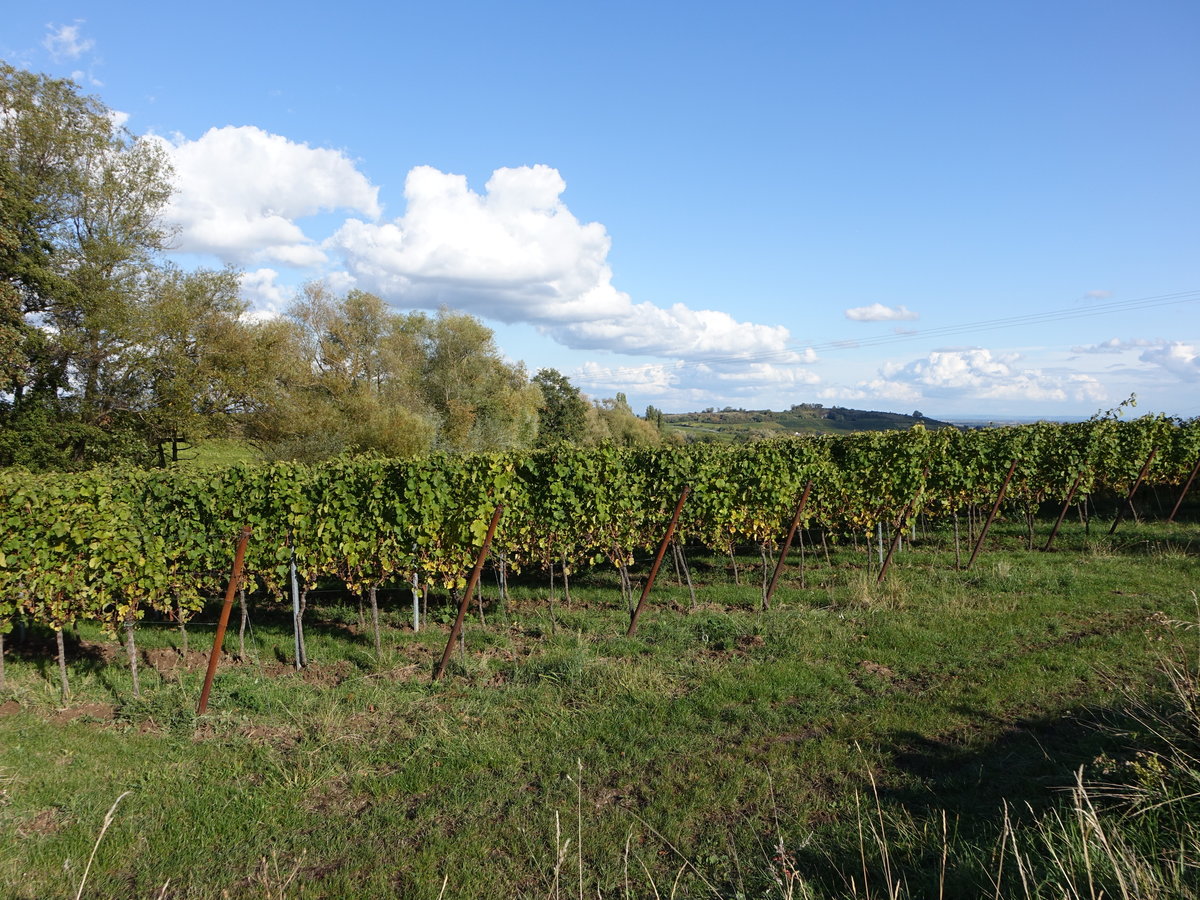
(104, 652)
(166, 660)
(799, 737)
(336, 799)
(328, 675)
(406, 673)
(104, 712)
(280, 736)
(876, 669)
(9, 708)
(613, 796)
(48, 821)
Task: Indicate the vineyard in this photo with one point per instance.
(905, 717)
(109, 547)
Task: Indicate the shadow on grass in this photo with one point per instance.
(1027, 769)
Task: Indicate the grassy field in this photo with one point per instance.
(915, 739)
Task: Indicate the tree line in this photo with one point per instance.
(110, 354)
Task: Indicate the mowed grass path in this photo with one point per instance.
(714, 754)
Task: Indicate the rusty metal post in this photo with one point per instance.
(1063, 514)
(1133, 490)
(992, 515)
(219, 638)
(662, 549)
(787, 545)
(466, 597)
(1186, 488)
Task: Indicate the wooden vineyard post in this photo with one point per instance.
(1133, 490)
(1063, 514)
(662, 549)
(787, 545)
(219, 638)
(466, 597)
(1183, 493)
(992, 515)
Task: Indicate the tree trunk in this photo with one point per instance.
(242, 625)
(766, 577)
(501, 604)
(502, 577)
(681, 560)
(300, 627)
(375, 620)
(131, 652)
(183, 635)
(800, 535)
(3, 683)
(62, 666)
(957, 551)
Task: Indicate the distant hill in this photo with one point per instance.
(737, 425)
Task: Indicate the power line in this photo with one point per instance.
(787, 352)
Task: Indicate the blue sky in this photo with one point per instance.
(982, 209)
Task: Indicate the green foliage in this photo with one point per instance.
(562, 415)
(106, 546)
(364, 379)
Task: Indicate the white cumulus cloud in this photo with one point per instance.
(516, 253)
(979, 373)
(877, 312)
(261, 289)
(1180, 359)
(240, 191)
(679, 383)
(65, 42)
(1116, 345)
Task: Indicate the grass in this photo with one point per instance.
(216, 453)
(910, 739)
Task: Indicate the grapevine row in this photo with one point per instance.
(108, 546)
